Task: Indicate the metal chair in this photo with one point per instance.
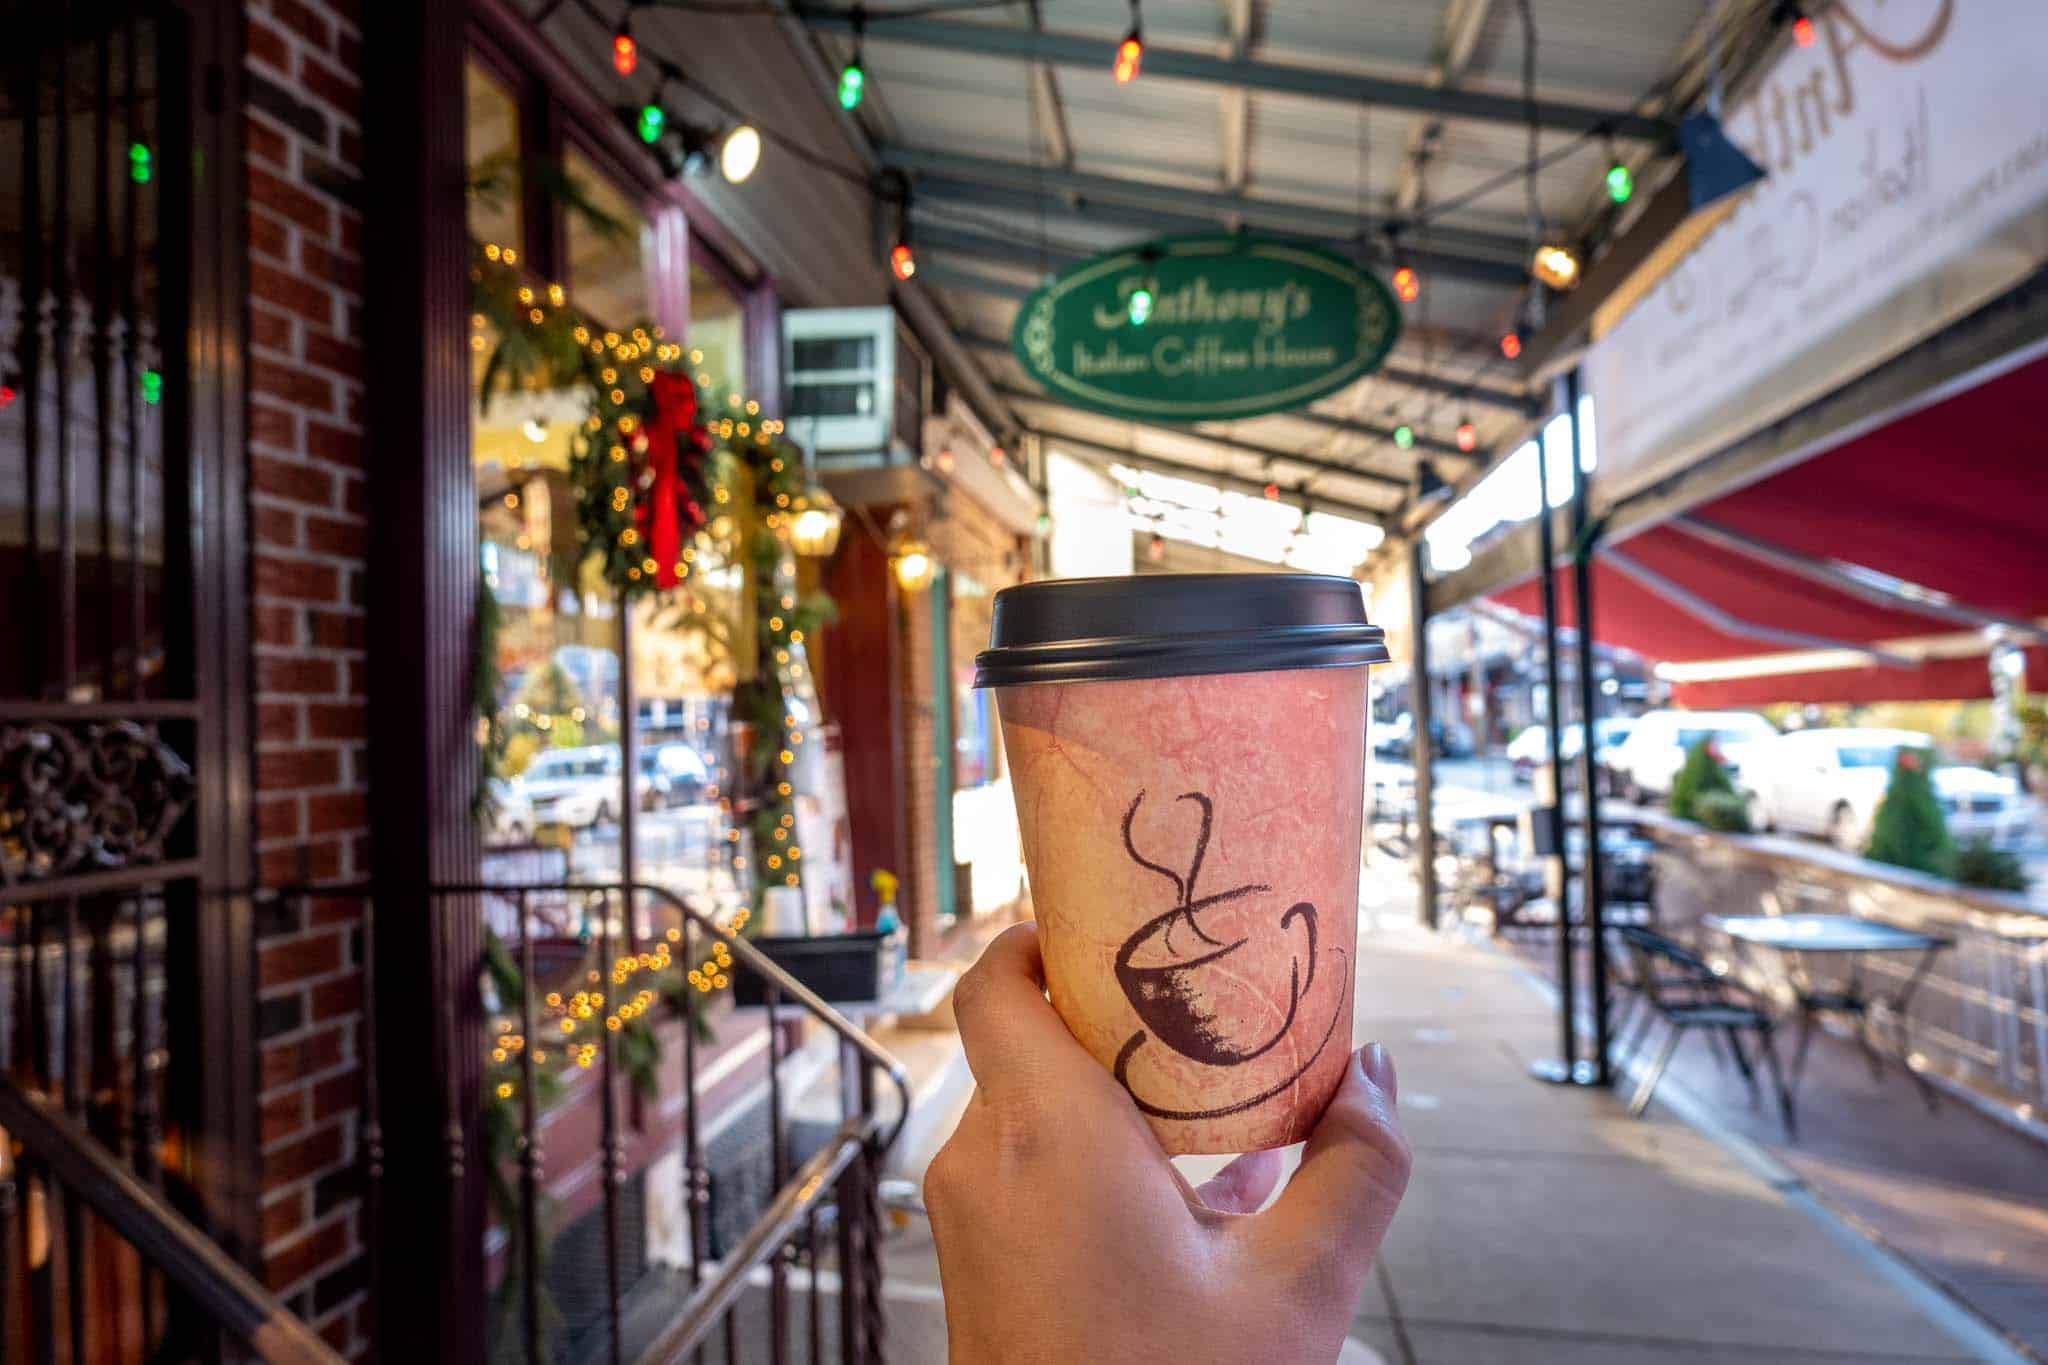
(1683, 989)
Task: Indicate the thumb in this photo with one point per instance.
(1340, 1203)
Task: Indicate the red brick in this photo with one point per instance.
(277, 528)
(266, 46)
(271, 331)
(331, 266)
(302, 1057)
(345, 358)
(344, 720)
(273, 426)
(264, 142)
(304, 387)
(297, 579)
(337, 630)
(291, 864)
(283, 1269)
(338, 445)
(275, 285)
(309, 25)
(283, 963)
(284, 1217)
(293, 202)
(277, 625)
(332, 999)
(283, 1115)
(280, 770)
(337, 1095)
(339, 1331)
(337, 811)
(332, 536)
(278, 817)
(269, 236)
(291, 479)
(334, 910)
(276, 721)
(351, 149)
(329, 83)
(355, 496)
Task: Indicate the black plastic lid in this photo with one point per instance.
(1175, 625)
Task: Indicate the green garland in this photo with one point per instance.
(753, 455)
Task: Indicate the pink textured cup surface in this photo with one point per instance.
(1193, 849)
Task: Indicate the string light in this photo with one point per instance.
(853, 79)
(1468, 436)
(1621, 183)
(1131, 51)
(652, 121)
(625, 52)
(902, 260)
(740, 154)
(1141, 305)
(1272, 492)
(1511, 344)
(1404, 436)
(1407, 284)
(141, 162)
(1556, 265)
(1790, 12)
(1155, 549)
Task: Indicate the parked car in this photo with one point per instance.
(1396, 738)
(1830, 783)
(578, 787)
(1644, 764)
(675, 776)
(1530, 749)
(511, 820)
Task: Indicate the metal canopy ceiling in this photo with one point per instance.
(1329, 119)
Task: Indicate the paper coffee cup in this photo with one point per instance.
(1188, 758)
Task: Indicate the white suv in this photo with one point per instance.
(1830, 782)
(1655, 750)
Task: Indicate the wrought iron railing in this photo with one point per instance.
(821, 1217)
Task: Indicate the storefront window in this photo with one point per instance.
(574, 682)
(494, 168)
(984, 838)
(717, 330)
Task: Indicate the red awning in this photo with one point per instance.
(1952, 498)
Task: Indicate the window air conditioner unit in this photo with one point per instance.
(857, 385)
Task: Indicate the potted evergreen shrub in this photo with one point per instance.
(1909, 829)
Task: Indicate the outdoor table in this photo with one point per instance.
(1798, 936)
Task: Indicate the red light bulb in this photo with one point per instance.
(1468, 436)
(902, 263)
(1129, 53)
(1407, 284)
(1511, 344)
(1272, 492)
(625, 53)
(1802, 31)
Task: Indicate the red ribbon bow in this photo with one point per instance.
(675, 413)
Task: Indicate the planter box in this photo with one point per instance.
(839, 967)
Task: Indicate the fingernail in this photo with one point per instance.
(1378, 1065)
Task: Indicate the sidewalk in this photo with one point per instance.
(1544, 1225)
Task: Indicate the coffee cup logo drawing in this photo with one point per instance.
(1173, 988)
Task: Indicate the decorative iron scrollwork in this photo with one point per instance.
(86, 796)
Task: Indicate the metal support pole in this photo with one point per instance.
(629, 775)
(1563, 1068)
(1419, 706)
(1582, 589)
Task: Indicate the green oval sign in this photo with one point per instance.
(1233, 326)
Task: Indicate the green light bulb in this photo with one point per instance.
(852, 86)
(652, 121)
(1141, 305)
(152, 386)
(1404, 436)
(140, 162)
(1620, 184)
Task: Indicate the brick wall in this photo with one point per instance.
(307, 509)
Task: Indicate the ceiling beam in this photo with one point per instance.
(1306, 220)
(945, 276)
(1047, 106)
(1483, 258)
(1219, 478)
(1478, 395)
(1464, 22)
(1234, 110)
(1232, 443)
(1344, 87)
